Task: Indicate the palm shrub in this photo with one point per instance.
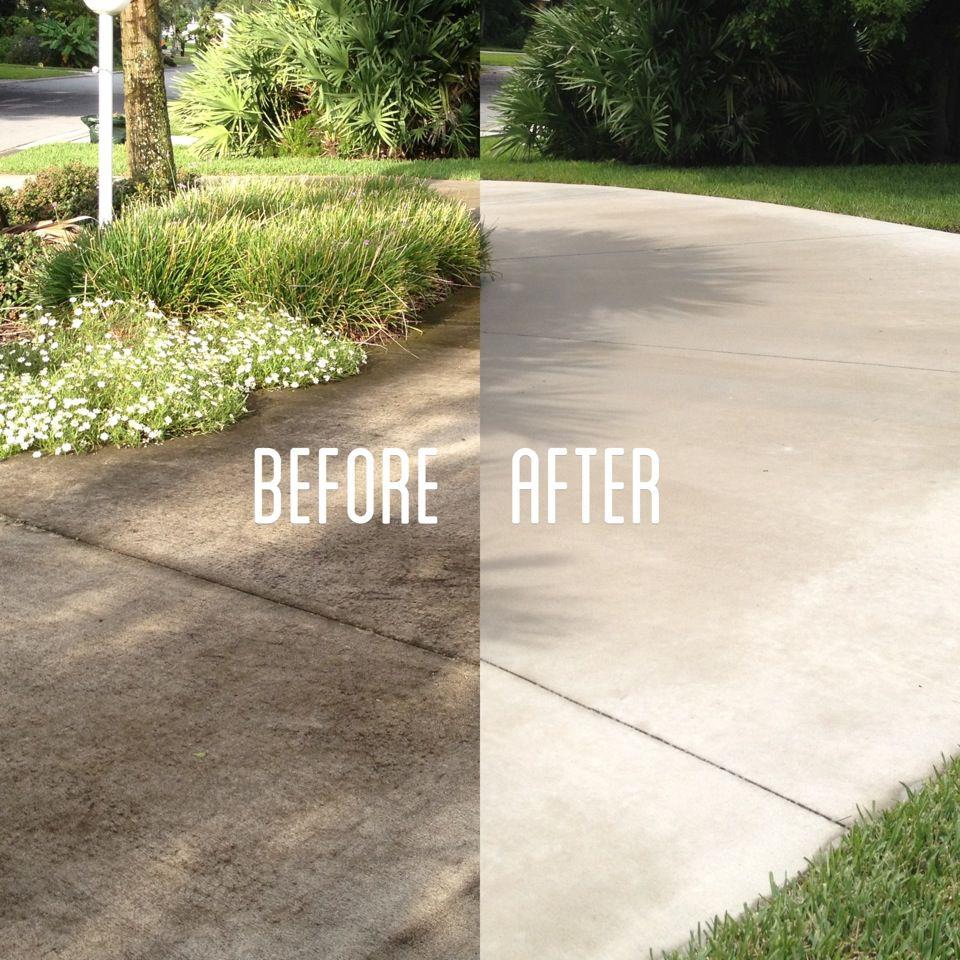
(395, 78)
(725, 81)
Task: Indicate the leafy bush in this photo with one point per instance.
(108, 372)
(378, 78)
(60, 193)
(359, 256)
(19, 42)
(57, 193)
(724, 81)
(19, 254)
(72, 41)
(209, 30)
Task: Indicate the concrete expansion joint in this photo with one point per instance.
(665, 742)
(329, 617)
(626, 345)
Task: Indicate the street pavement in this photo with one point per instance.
(49, 110)
(491, 80)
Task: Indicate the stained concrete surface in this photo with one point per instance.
(792, 622)
(188, 503)
(238, 741)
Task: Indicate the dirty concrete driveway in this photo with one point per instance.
(238, 741)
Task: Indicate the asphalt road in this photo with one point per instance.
(32, 110)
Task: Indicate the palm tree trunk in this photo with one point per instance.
(149, 149)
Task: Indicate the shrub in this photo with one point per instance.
(61, 193)
(19, 254)
(19, 42)
(57, 193)
(724, 81)
(108, 372)
(379, 78)
(71, 41)
(358, 256)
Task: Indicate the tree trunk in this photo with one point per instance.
(149, 149)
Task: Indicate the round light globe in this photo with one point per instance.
(111, 7)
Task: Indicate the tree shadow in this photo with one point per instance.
(555, 375)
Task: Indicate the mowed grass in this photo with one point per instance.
(359, 256)
(57, 154)
(921, 195)
(499, 58)
(19, 71)
(890, 890)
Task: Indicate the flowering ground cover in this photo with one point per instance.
(125, 373)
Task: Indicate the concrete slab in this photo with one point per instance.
(565, 871)
(190, 772)
(723, 275)
(188, 503)
(794, 618)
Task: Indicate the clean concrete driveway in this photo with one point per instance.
(236, 741)
(673, 712)
(50, 109)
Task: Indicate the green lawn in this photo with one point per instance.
(890, 890)
(18, 71)
(498, 58)
(56, 154)
(923, 195)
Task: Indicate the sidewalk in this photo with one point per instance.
(237, 740)
(491, 80)
(673, 712)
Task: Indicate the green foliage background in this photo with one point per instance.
(392, 78)
(740, 81)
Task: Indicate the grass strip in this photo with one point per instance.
(499, 58)
(924, 195)
(889, 890)
(30, 161)
(19, 71)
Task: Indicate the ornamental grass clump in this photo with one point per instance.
(359, 256)
(126, 373)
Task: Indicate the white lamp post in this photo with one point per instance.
(106, 11)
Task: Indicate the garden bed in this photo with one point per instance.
(164, 322)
